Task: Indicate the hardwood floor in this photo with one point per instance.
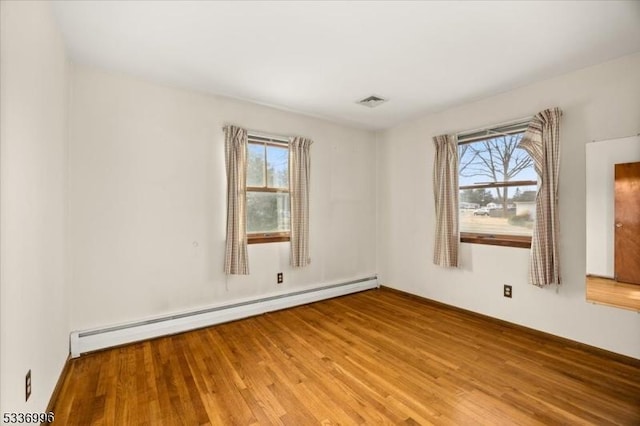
(376, 357)
(610, 292)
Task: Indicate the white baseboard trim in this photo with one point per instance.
(102, 338)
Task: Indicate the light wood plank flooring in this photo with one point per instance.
(376, 357)
(610, 292)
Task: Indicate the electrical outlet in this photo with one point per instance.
(280, 278)
(27, 386)
(507, 291)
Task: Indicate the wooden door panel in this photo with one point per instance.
(627, 222)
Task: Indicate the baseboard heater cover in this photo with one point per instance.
(102, 338)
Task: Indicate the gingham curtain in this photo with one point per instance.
(299, 173)
(542, 142)
(445, 192)
(236, 260)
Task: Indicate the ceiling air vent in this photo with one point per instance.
(372, 101)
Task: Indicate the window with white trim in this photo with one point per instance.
(268, 207)
(497, 186)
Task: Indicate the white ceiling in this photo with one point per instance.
(318, 58)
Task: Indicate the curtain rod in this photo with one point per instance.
(485, 128)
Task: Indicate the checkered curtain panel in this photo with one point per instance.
(236, 261)
(445, 193)
(299, 174)
(542, 142)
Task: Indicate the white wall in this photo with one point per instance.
(148, 203)
(34, 305)
(600, 102)
(601, 158)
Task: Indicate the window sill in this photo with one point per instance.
(267, 238)
(496, 240)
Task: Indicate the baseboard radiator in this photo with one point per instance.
(102, 338)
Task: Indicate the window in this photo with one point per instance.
(498, 186)
(268, 208)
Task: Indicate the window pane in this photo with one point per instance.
(503, 210)
(483, 210)
(277, 167)
(494, 160)
(267, 212)
(255, 165)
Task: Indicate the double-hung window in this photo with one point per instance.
(268, 206)
(497, 187)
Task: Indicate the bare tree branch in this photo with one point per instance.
(498, 159)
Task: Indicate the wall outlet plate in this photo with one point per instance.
(27, 386)
(280, 278)
(507, 291)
